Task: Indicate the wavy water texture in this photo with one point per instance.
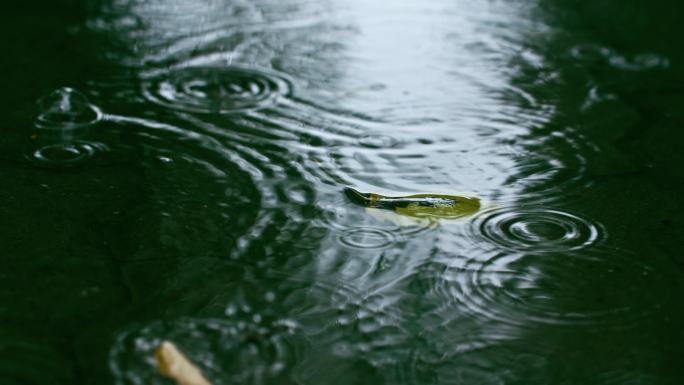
(214, 90)
(249, 96)
(224, 134)
(216, 346)
(537, 230)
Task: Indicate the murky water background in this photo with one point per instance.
(175, 170)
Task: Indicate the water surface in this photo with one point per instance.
(175, 170)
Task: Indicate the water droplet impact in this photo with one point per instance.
(66, 108)
(367, 238)
(538, 230)
(215, 89)
(62, 154)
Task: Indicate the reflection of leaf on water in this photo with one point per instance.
(174, 365)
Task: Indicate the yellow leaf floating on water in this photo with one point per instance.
(174, 365)
(416, 207)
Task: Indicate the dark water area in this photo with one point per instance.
(175, 170)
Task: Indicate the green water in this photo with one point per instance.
(175, 170)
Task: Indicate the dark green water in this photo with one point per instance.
(175, 170)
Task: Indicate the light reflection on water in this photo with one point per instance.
(248, 119)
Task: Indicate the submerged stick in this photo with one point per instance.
(174, 365)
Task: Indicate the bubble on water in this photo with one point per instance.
(215, 89)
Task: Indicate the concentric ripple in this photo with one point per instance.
(602, 288)
(215, 89)
(204, 183)
(64, 154)
(537, 230)
(227, 351)
(554, 168)
(367, 238)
